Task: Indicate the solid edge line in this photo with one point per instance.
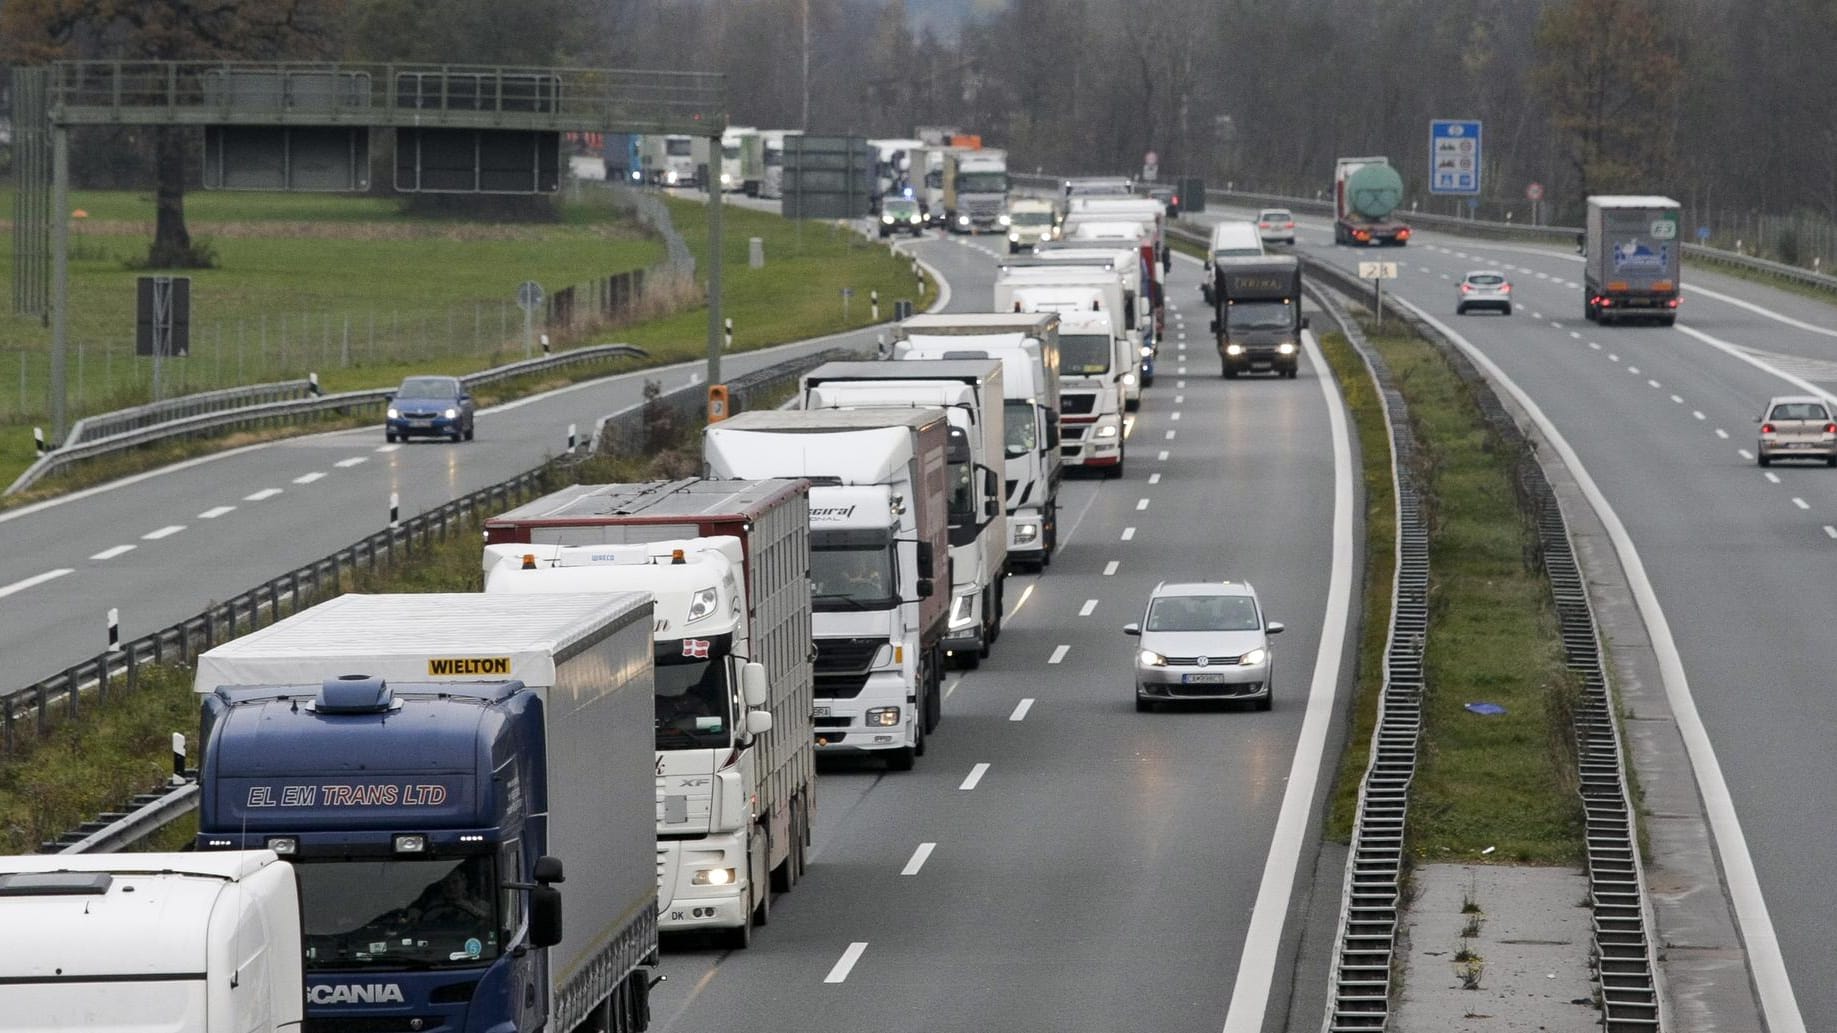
(1263, 940)
(1766, 965)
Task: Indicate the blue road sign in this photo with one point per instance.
(1454, 156)
(1702, 232)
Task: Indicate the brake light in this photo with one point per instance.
(1830, 428)
(1505, 288)
(1766, 428)
(1672, 303)
(1288, 225)
(1404, 233)
(1465, 287)
(1262, 225)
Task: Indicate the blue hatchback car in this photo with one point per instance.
(430, 406)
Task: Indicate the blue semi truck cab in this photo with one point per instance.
(448, 782)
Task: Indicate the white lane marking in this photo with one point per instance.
(952, 686)
(1022, 601)
(165, 532)
(1141, 504)
(1058, 654)
(216, 511)
(1154, 478)
(1574, 334)
(1541, 276)
(346, 464)
(1090, 606)
(1723, 434)
(1170, 435)
(1633, 370)
(1596, 345)
(1109, 569)
(846, 963)
(1179, 399)
(1766, 961)
(918, 859)
(1128, 534)
(1801, 503)
(1162, 458)
(1181, 371)
(1611, 357)
(1180, 383)
(1020, 709)
(1257, 961)
(109, 554)
(1829, 531)
(1744, 453)
(1674, 398)
(1698, 414)
(388, 448)
(1774, 477)
(308, 478)
(35, 580)
(975, 776)
(1176, 415)
(265, 493)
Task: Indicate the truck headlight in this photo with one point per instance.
(285, 846)
(888, 219)
(1026, 533)
(703, 603)
(1014, 236)
(1108, 430)
(393, 413)
(963, 610)
(1285, 348)
(1003, 219)
(1150, 658)
(1129, 379)
(883, 717)
(714, 877)
(670, 177)
(1147, 352)
(1234, 349)
(963, 220)
(1255, 658)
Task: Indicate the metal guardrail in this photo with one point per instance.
(628, 429)
(1564, 236)
(1623, 958)
(108, 424)
(115, 672)
(1372, 896)
(274, 413)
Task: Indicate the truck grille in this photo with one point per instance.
(390, 1024)
(842, 665)
(831, 722)
(1077, 404)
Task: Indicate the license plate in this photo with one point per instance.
(420, 423)
(1203, 679)
(819, 711)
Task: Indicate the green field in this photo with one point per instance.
(363, 293)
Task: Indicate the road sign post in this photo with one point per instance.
(1377, 273)
(1454, 156)
(1534, 193)
(529, 299)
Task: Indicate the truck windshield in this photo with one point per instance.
(851, 577)
(1260, 315)
(677, 148)
(1083, 355)
(982, 182)
(1027, 218)
(730, 152)
(1017, 427)
(692, 693)
(399, 914)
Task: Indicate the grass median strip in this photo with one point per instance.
(1495, 787)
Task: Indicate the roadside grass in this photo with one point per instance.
(796, 295)
(1368, 422)
(1509, 781)
(53, 783)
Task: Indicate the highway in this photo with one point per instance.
(1663, 423)
(1058, 861)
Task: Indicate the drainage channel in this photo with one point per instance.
(1622, 952)
(1364, 951)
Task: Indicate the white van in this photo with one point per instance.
(1231, 239)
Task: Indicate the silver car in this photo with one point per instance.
(1276, 226)
(1483, 288)
(1796, 427)
(1203, 640)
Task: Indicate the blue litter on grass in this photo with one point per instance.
(1485, 708)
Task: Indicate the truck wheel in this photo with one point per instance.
(1115, 473)
(902, 759)
(742, 938)
(969, 659)
(785, 875)
(762, 911)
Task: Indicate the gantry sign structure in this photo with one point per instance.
(308, 126)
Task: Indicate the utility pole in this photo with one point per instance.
(804, 124)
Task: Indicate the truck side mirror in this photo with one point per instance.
(753, 685)
(1214, 325)
(992, 492)
(924, 560)
(1304, 322)
(544, 916)
(758, 722)
(924, 588)
(548, 869)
